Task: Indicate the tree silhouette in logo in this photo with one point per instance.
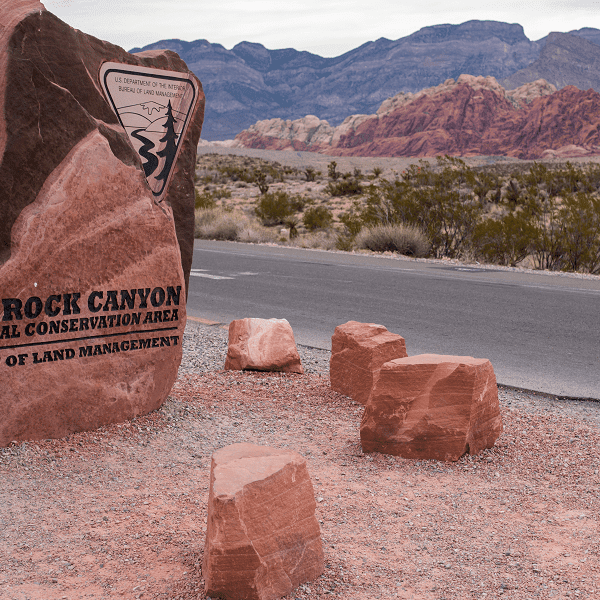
(170, 149)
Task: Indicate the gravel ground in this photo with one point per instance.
(121, 512)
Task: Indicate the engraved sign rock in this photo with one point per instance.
(93, 254)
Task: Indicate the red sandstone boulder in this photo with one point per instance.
(92, 286)
(358, 350)
(432, 407)
(262, 345)
(262, 538)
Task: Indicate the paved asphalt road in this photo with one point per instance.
(541, 331)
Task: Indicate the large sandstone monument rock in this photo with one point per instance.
(92, 268)
(358, 350)
(262, 539)
(262, 345)
(432, 407)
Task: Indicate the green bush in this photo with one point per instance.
(504, 241)
(579, 219)
(446, 214)
(273, 208)
(260, 178)
(403, 239)
(332, 173)
(205, 200)
(345, 187)
(208, 198)
(317, 217)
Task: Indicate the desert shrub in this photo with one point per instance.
(400, 238)
(260, 178)
(222, 224)
(208, 198)
(216, 224)
(292, 224)
(579, 231)
(332, 172)
(504, 241)
(325, 240)
(252, 231)
(310, 174)
(317, 217)
(344, 242)
(377, 171)
(205, 200)
(345, 187)
(235, 173)
(298, 202)
(547, 245)
(446, 214)
(273, 208)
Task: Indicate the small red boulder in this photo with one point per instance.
(432, 407)
(358, 350)
(262, 539)
(262, 345)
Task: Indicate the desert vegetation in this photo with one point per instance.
(533, 214)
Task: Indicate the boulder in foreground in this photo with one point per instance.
(262, 345)
(262, 539)
(432, 407)
(358, 350)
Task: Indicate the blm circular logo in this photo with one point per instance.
(154, 107)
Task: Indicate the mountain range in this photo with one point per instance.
(468, 117)
(250, 83)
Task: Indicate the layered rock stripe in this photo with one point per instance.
(358, 350)
(262, 345)
(432, 406)
(262, 539)
(92, 271)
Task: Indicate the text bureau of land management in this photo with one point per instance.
(27, 325)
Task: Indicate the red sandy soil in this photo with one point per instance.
(121, 512)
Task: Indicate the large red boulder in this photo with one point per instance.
(262, 539)
(262, 345)
(432, 407)
(358, 350)
(92, 281)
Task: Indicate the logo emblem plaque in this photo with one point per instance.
(155, 108)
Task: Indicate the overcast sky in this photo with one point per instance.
(325, 27)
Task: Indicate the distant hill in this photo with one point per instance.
(250, 83)
(565, 59)
(468, 117)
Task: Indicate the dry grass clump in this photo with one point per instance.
(323, 239)
(400, 238)
(221, 224)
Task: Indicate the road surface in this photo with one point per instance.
(541, 331)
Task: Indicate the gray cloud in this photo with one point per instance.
(326, 27)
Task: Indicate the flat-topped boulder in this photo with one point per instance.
(358, 350)
(92, 265)
(262, 345)
(262, 539)
(432, 407)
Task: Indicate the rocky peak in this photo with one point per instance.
(509, 33)
(256, 56)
